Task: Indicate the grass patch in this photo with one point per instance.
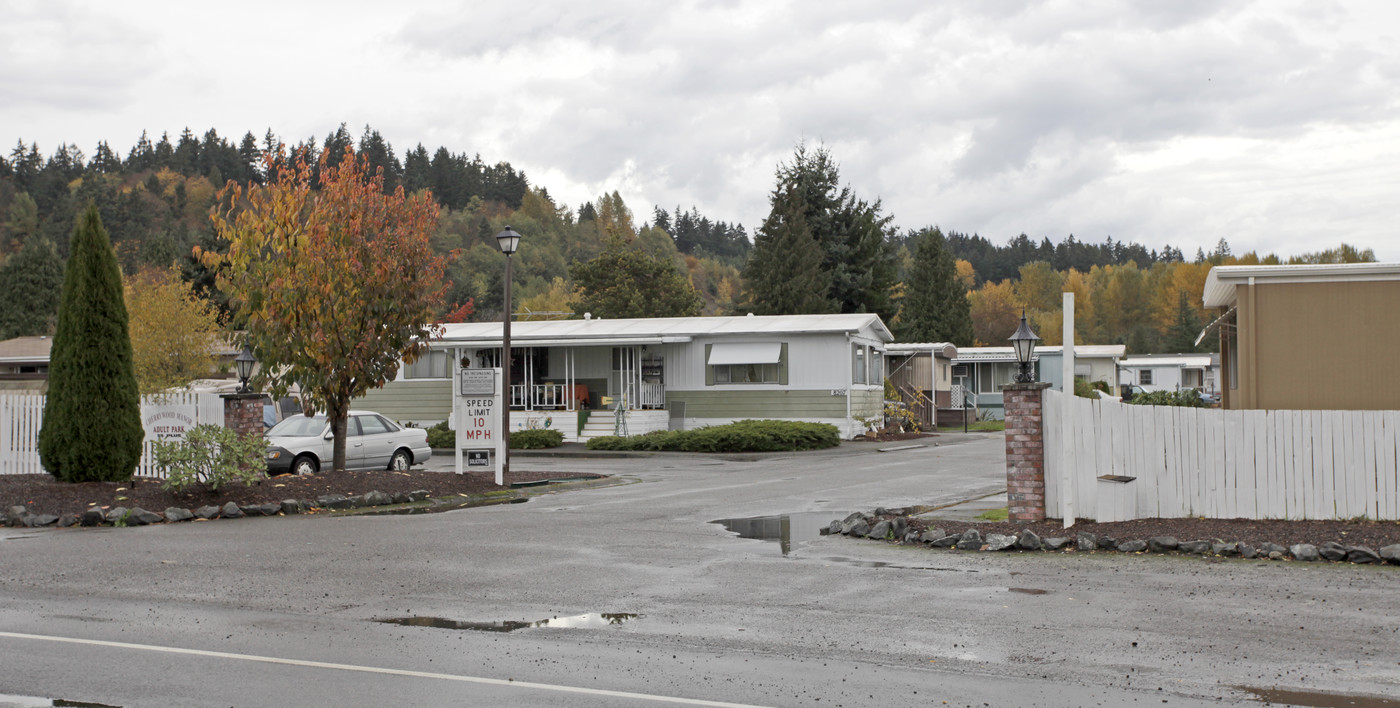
(976, 426)
(993, 515)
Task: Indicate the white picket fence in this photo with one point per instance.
(1226, 463)
(22, 415)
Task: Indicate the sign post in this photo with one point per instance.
(475, 418)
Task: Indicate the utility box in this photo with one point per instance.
(1117, 498)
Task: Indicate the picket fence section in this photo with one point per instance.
(22, 415)
(1225, 463)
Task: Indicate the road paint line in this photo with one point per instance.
(380, 670)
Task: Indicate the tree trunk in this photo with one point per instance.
(339, 419)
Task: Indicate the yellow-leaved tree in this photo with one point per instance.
(174, 333)
(334, 285)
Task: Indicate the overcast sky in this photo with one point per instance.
(1272, 124)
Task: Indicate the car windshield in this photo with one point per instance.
(299, 426)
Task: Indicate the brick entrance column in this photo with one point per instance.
(243, 413)
(1025, 452)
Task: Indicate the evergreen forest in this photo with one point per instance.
(822, 248)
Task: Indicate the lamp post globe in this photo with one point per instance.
(1024, 342)
(244, 364)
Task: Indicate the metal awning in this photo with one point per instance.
(745, 353)
(1220, 321)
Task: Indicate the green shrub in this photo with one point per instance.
(212, 455)
(1186, 397)
(441, 437)
(92, 414)
(742, 436)
(535, 439)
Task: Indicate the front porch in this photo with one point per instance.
(577, 378)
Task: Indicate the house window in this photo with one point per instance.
(431, 365)
(746, 363)
(858, 372)
(877, 367)
(746, 373)
(1145, 377)
(992, 376)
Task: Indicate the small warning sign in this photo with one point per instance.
(478, 458)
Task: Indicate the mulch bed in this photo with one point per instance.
(1372, 534)
(42, 494)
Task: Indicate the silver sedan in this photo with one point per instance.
(302, 444)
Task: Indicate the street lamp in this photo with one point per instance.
(1024, 341)
(244, 363)
(509, 241)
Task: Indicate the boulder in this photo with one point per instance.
(911, 536)
(295, 506)
(1108, 543)
(1304, 552)
(230, 511)
(268, 509)
(68, 520)
(1246, 550)
(931, 535)
(946, 542)
(378, 498)
(880, 530)
(1056, 543)
(830, 529)
(1029, 541)
(999, 541)
(1195, 548)
(970, 540)
(1136, 546)
(175, 513)
(1162, 544)
(1269, 549)
(40, 520)
(141, 517)
(418, 495)
(1362, 554)
(92, 517)
(859, 529)
(899, 526)
(1333, 551)
(1225, 549)
(1086, 541)
(14, 516)
(333, 501)
(1391, 554)
(115, 514)
(206, 512)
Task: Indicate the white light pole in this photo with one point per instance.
(509, 241)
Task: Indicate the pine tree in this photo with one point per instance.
(784, 276)
(935, 307)
(92, 415)
(32, 280)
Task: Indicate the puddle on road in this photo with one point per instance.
(1317, 700)
(36, 702)
(785, 528)
(587, 621)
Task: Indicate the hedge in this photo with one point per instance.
(743, 436)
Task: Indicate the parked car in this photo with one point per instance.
(1132, 390)
(301, 444)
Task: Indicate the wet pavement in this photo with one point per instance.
(726, 599)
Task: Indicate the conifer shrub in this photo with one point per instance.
(535, 439)
(92, 414)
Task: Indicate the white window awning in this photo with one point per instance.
(745, 353)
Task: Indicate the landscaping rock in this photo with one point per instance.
(899, 526)
(1086, 541)
(67, 520)
(1304, 552)
(92, 517)
(14, 516)
(911, 536)
(1162, 544)
(1362, 554)
(206, 512)
(40, 520)
(1333, 551)
(829, 530)
(378, 498)
(1137, 546)
(999, 541)
(115, 514)
(295, 506)
(418, 495)
(881, 511)
(880, 530)
(141, 517)
(1225, 549)
(1194, 547)
(175, 513)
(859, 529)
(932, 535)
(971, 540)
(268, 509)
(1277, 555)
(1246, 550)
(333, 501)
(1029, 541)
(1055, 544)
(1269, 549)
(1391, 554)
(946, 542)
(1108, 543)
(231, 511)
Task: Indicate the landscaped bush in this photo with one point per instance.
(743, 436)
(212, 455)
(1186, 397)
(535, 439)
(440, 437)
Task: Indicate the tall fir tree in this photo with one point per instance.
(92, 414)
(784, 275)
(32, 281)
(935, 306)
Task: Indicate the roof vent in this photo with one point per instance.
(588, 315)
(750, 314)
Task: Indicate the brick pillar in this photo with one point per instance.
(243, 413)
(1025, 452)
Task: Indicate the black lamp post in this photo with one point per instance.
(508, 240)
(1024, 341)
(244, 363)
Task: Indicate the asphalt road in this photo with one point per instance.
(289, 611)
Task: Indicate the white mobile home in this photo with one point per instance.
(980, 373)
(661, 373)
(1171, 372)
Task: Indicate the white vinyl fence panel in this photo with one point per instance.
(1225, 463)
(22, 415)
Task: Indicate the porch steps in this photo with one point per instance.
(600, 424)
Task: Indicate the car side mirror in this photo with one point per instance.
(330, 435)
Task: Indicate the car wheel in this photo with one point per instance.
(305, 464)
(402, 461)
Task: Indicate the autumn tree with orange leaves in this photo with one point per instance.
(334, 285)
